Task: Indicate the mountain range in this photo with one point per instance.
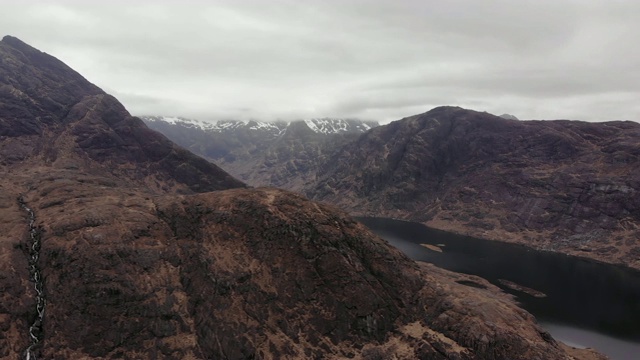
(274, 128)
(115, 243)
(566, 186)
(280, 154)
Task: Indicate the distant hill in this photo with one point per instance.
(281, 154)
(567, 186)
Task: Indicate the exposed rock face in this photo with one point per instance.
(568, 186)
(281, 154)
(133, 269)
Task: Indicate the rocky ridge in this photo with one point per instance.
(147, 251)
(318, 125)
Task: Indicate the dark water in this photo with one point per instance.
(588, 304)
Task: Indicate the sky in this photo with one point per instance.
(371, 59)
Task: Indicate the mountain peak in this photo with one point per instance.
(50, 111)
(38, 88)
(339, 125)
(15, 42)
(324, 126)
(509, 117)
(445, 109)
(9, 39)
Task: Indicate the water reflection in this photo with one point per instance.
(592, 298)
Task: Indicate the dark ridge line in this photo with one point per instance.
(35, 276)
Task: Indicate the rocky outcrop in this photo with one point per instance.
(140, 261)
(565, 186)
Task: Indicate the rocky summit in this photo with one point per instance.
(566, 186)
(116, 243)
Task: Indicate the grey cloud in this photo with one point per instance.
(377, 59)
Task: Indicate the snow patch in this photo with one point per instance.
(317, 125)
(173, 120)
(337, 125)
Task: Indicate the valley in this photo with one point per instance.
(279, 154)
(563, 186)
(149, 251)
(380, 180)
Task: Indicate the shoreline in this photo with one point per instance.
(524, 244)
(466, 232)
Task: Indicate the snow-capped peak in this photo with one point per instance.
(173, 120)
(317, 125)
(260, 125)
(220, 125)
(335, 125)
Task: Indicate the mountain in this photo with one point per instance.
(509, 117)
(116, 243)
(566, 186)
(222, 141)
(275, 128)
(51, 111)
(338, 126)
(281, 154)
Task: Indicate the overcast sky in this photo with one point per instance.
(373, 59)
